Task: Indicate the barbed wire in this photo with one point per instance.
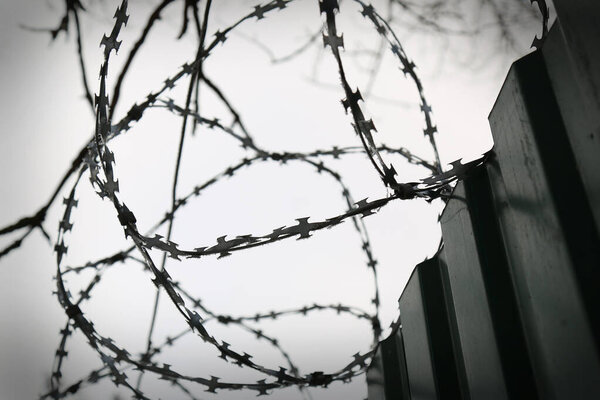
(97, 161)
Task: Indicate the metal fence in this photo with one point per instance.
(509, 307)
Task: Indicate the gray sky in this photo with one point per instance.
(288, 107)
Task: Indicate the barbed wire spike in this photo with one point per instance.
(351, 101)
(335, 42)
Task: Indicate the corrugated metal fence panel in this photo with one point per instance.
(418, 352)
(549, 232)
(510, 308)
(576, 92)
(387, 377)
(375, 378)
(579, 19)
(467, 292)
(433, 369)
(394, 361)
(499, 289)
(581, 32)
